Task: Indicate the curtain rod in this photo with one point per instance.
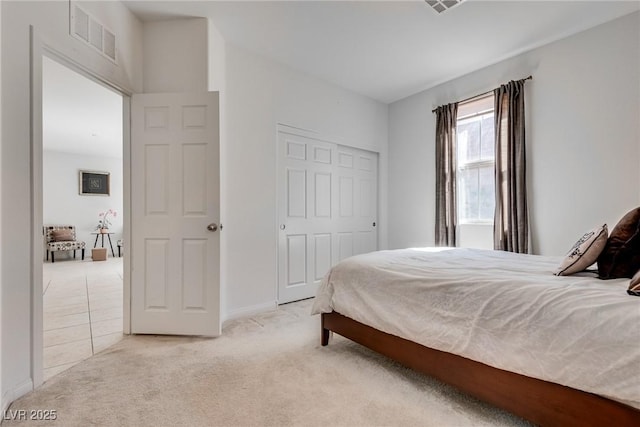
(479, 95)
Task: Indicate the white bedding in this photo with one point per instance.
(503, 309)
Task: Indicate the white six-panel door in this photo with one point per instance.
(327, 204)
(357, 200)
(175, 260)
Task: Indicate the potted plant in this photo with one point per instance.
(104, 222)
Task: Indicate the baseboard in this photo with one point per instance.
(248, 311)
(10, 395)
(4, 405)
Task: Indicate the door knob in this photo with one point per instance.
(212, 227)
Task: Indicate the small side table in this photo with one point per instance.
(95, 244)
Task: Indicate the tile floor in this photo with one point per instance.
(82, 309)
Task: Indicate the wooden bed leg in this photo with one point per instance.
(325, 337)
(325, 332)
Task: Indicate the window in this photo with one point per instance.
(475, 174)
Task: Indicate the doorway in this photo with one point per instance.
(82, 133)
(146, 112)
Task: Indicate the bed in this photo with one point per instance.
(556, 350)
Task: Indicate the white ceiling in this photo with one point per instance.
(78, 115)
(388, 50)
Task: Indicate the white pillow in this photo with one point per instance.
(585, 252)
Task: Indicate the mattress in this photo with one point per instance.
(502, 309)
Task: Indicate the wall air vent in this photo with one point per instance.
(86, 28)
(95, 34)
(109, 47)
(80, 25)
(443, 5)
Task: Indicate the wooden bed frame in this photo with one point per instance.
(541, 402)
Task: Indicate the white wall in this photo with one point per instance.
(51, 21)
(62, 203)
(583, 137)
(261, 94)
(175, 55)
(479, 236)
(3, 404)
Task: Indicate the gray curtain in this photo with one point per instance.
(446, 214)
(511, 220)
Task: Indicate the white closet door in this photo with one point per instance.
(326, 210)
(175, 286)
(357, 199)
(306, 215)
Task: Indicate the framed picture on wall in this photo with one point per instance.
(94, 183)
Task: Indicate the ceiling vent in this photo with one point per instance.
(86, 28)
(443, 5)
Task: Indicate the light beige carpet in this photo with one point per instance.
(267, 370)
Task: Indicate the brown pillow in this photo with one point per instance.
(62, 235)
(621, 256)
